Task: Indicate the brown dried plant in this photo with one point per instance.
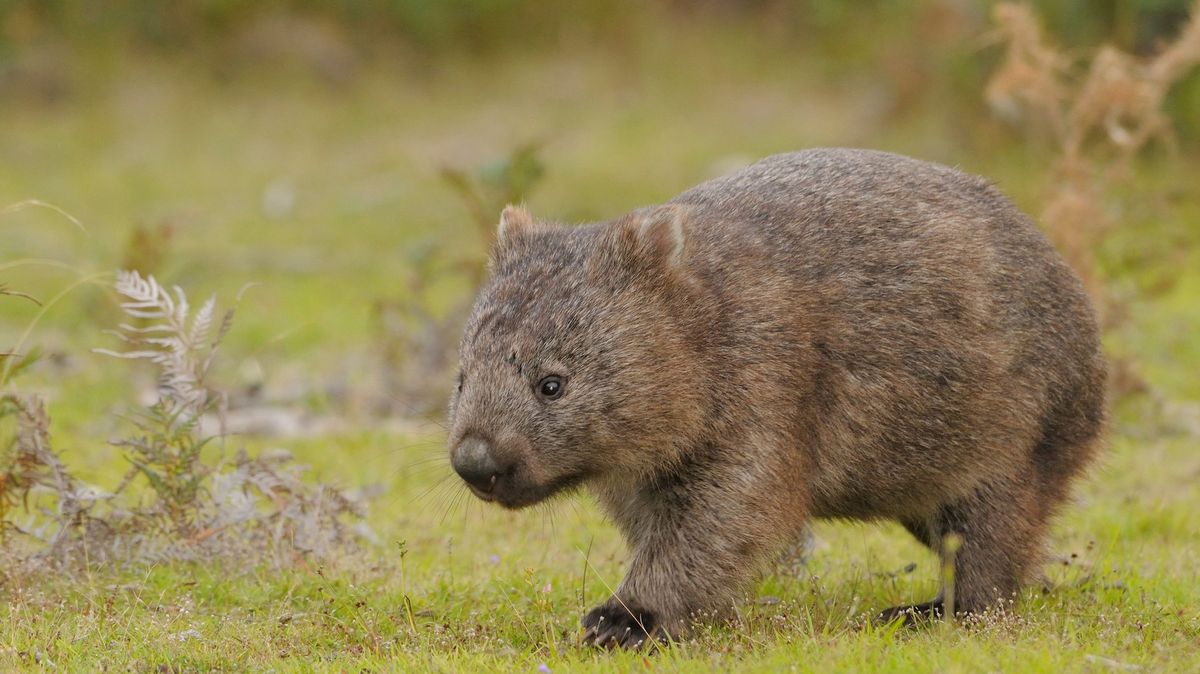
(1101, 114)
(32, 465)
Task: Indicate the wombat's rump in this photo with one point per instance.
(828, 333)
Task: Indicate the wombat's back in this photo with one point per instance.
(928, 334)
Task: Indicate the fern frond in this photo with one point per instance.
(175, 341)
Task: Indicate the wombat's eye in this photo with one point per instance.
(550, 388)
(459, 383)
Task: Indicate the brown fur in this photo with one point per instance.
(828, 333)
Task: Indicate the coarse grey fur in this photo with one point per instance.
(827, 333)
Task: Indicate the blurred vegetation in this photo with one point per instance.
(492, 186)
(414, 333)
(483, 25)
(913, 41)
(925, 50)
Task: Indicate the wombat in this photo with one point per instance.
(830, 333)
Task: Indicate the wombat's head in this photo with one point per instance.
(574, 361)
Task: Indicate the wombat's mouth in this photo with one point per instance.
(514, 495)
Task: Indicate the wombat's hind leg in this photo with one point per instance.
(1001, 527)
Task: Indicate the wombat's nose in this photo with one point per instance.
(473, 462)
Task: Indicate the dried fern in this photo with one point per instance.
(178, 343)
(166, 447)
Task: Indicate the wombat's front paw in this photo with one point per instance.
(616, 625)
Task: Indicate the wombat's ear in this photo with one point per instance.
(654, 235)
(514, 221)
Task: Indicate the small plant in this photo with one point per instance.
(166, 449)
(204, 504)
(415, 344)
(148, 247)
(409, 614)
(489, 188)
(30, 465)
(251, 508)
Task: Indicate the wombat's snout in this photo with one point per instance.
(474, 463)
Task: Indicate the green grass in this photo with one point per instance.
(496, 591)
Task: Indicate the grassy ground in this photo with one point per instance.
(490, 590)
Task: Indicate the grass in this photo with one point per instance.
(496, 591)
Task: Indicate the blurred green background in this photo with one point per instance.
(313, 148)
(346, 157)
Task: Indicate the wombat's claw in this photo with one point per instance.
(615, 626)
(913, 614)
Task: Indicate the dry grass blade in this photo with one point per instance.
(5, 290)
(36, 203)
